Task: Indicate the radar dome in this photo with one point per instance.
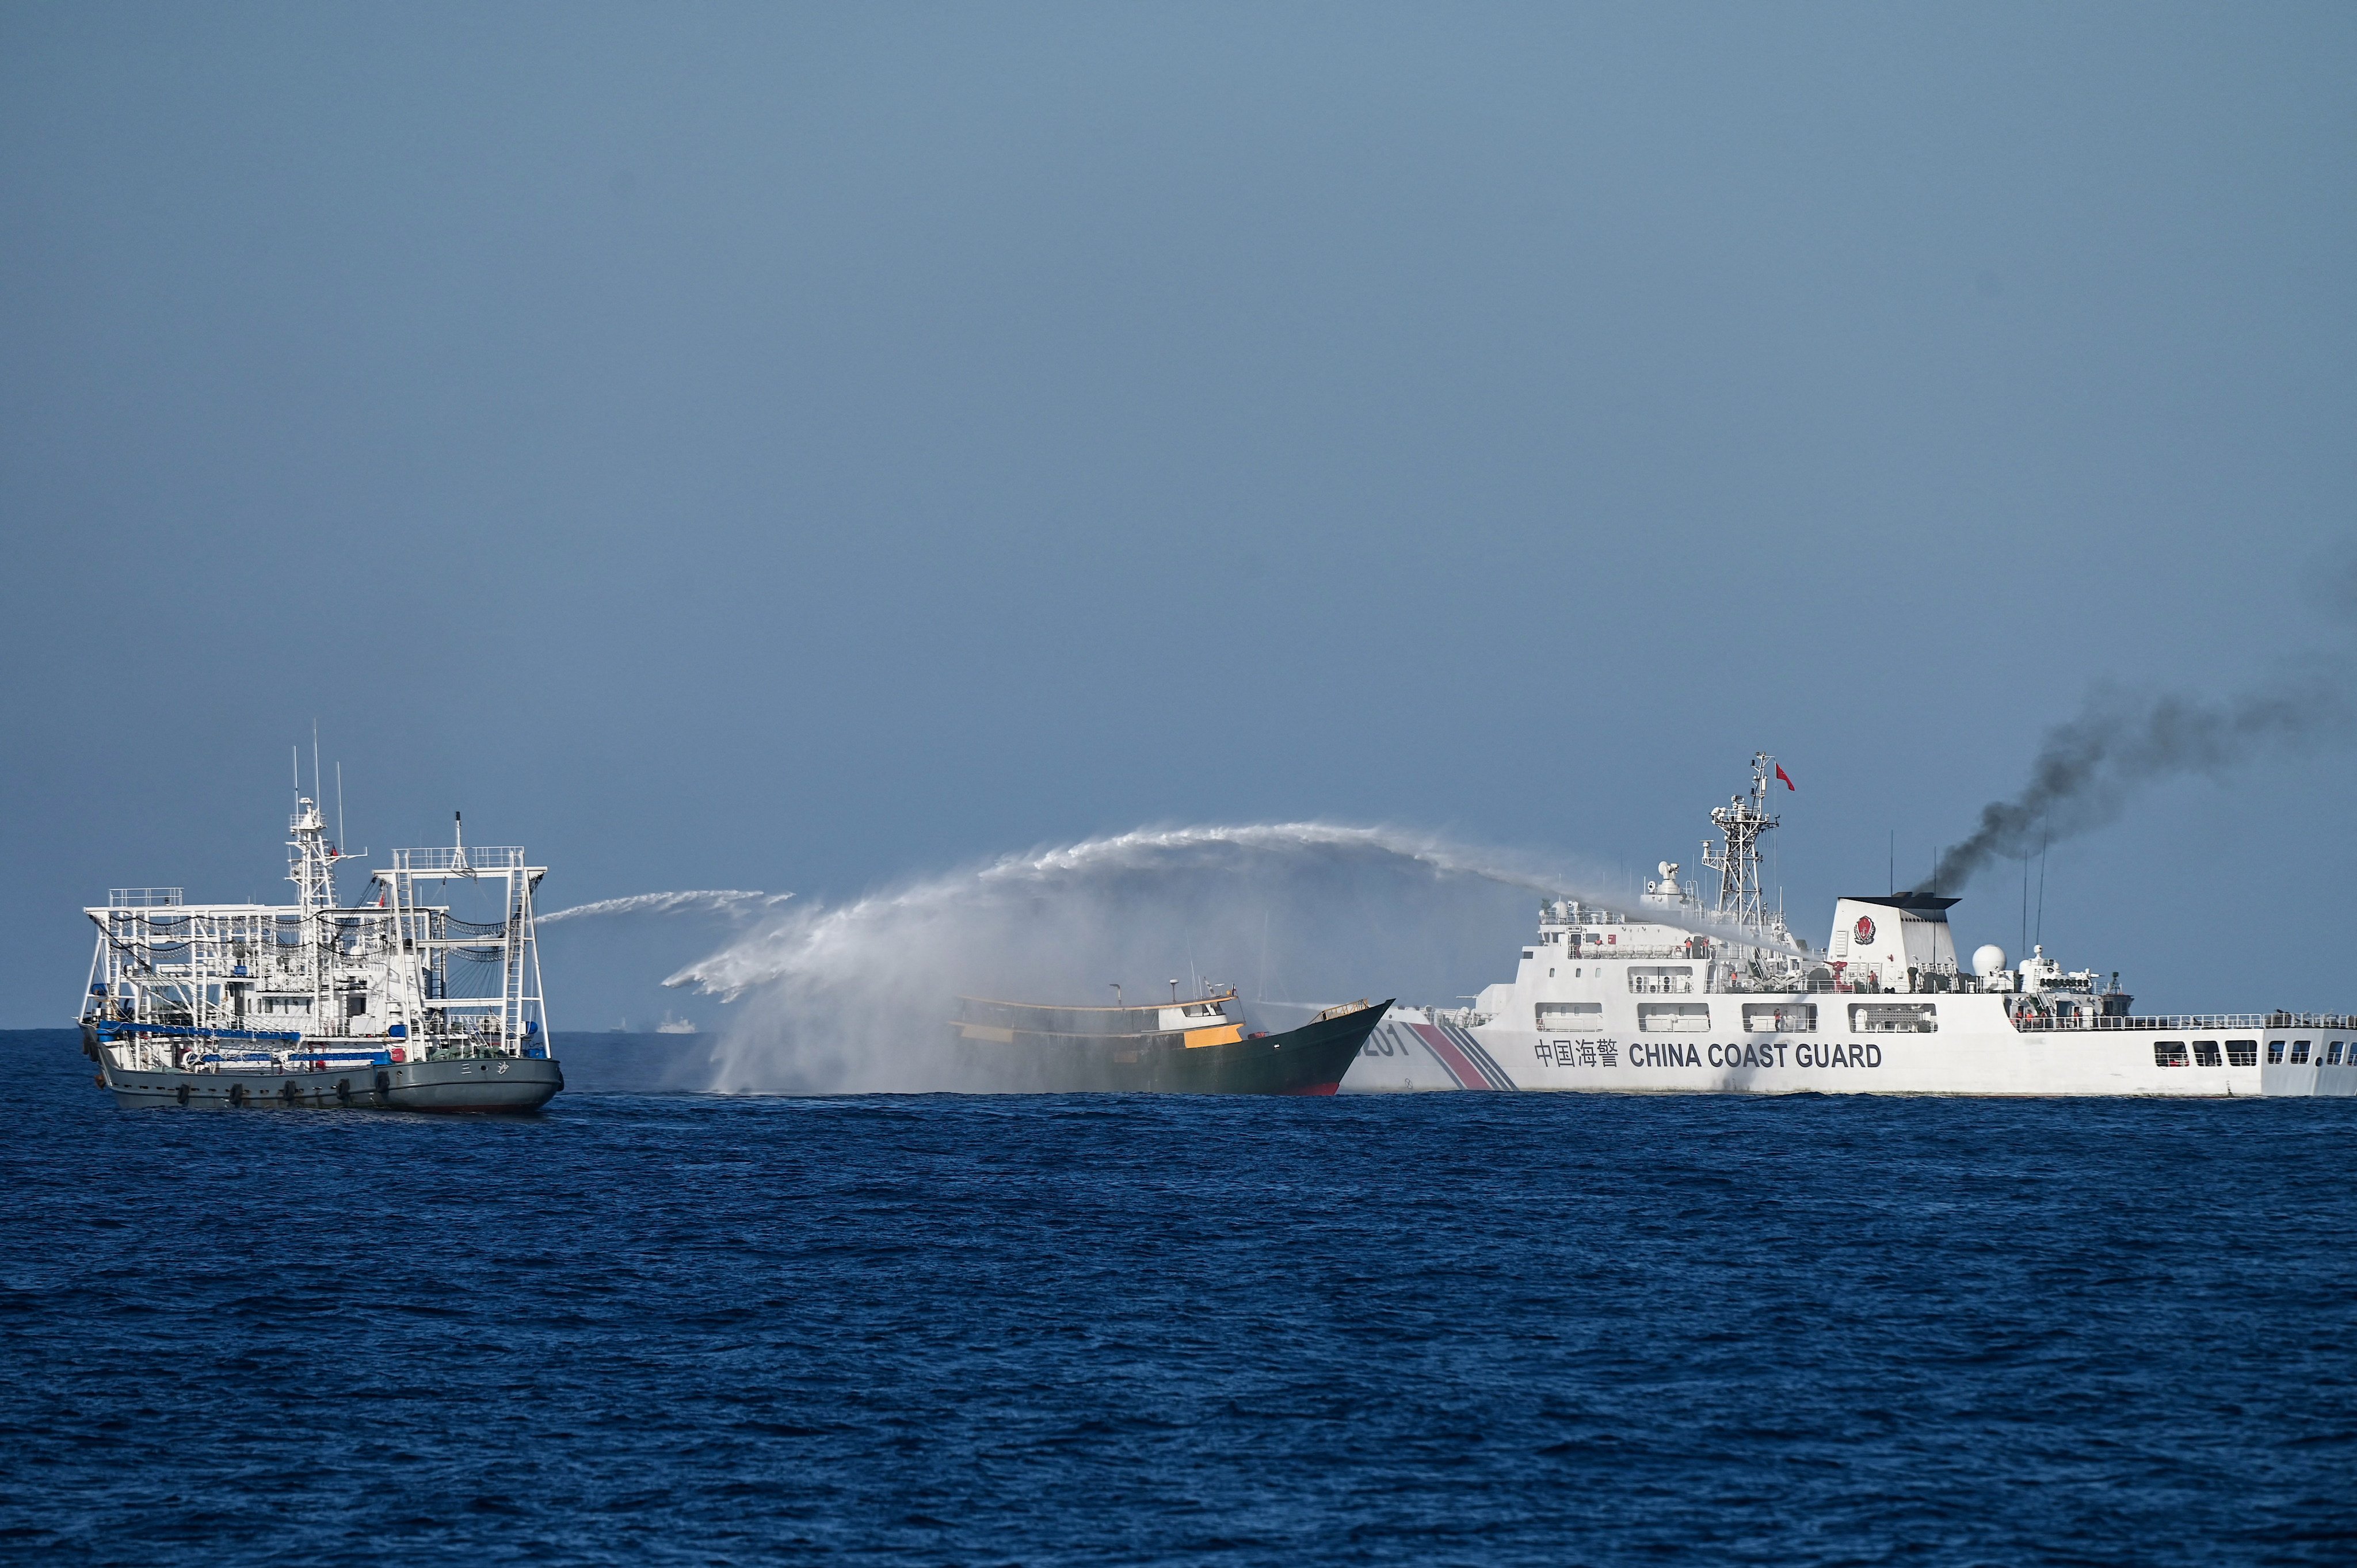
(1987, 959)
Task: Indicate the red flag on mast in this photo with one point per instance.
(1786, 778)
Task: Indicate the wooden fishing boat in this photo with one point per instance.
(1197, 1045)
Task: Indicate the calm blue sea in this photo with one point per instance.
(1446, 1330)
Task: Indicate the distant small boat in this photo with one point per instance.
(670, 1025)
(1194, 1047)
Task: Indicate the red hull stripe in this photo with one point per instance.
(1480, 1058)
(1455, 1060)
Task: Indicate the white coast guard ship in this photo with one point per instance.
(315, 1004)
(1682, 997)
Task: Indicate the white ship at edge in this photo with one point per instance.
(1682, 997)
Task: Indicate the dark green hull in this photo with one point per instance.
(467, 1083)
(508, 1084)
(1310, 1059)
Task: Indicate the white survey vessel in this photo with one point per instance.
(1682, 996)
(395, 1004)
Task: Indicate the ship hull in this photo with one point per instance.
(1415, 1051)
(488, 1084)
(1309, 1060)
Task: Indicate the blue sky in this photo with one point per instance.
(809, 448)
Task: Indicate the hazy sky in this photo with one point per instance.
(804, 447)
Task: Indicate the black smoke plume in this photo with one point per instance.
(2122, 740)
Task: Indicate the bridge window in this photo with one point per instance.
(2299, 1052)
(2205, 1053)
(2241, 1053)
(2169, 1053)
(1780, 1017)
(2332, 1054)
(2275, 1053)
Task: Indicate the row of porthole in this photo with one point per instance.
(2239, 1053)
(2330, 1057)
(2246, 1053)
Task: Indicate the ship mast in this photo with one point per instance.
(311, 867)
(1736, 856)
(311, 859)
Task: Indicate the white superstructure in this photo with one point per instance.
(395, 1001)
(1679, 996)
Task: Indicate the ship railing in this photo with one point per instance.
(144, 897)
(2189, 1021)
(1586, 950)
(448, 1048)
(1767, 985)
(472, 857)
(1954, 985)
(1343, 1010)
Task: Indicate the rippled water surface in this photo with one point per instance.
(1458, 1328)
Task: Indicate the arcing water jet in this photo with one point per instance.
(857, 997)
